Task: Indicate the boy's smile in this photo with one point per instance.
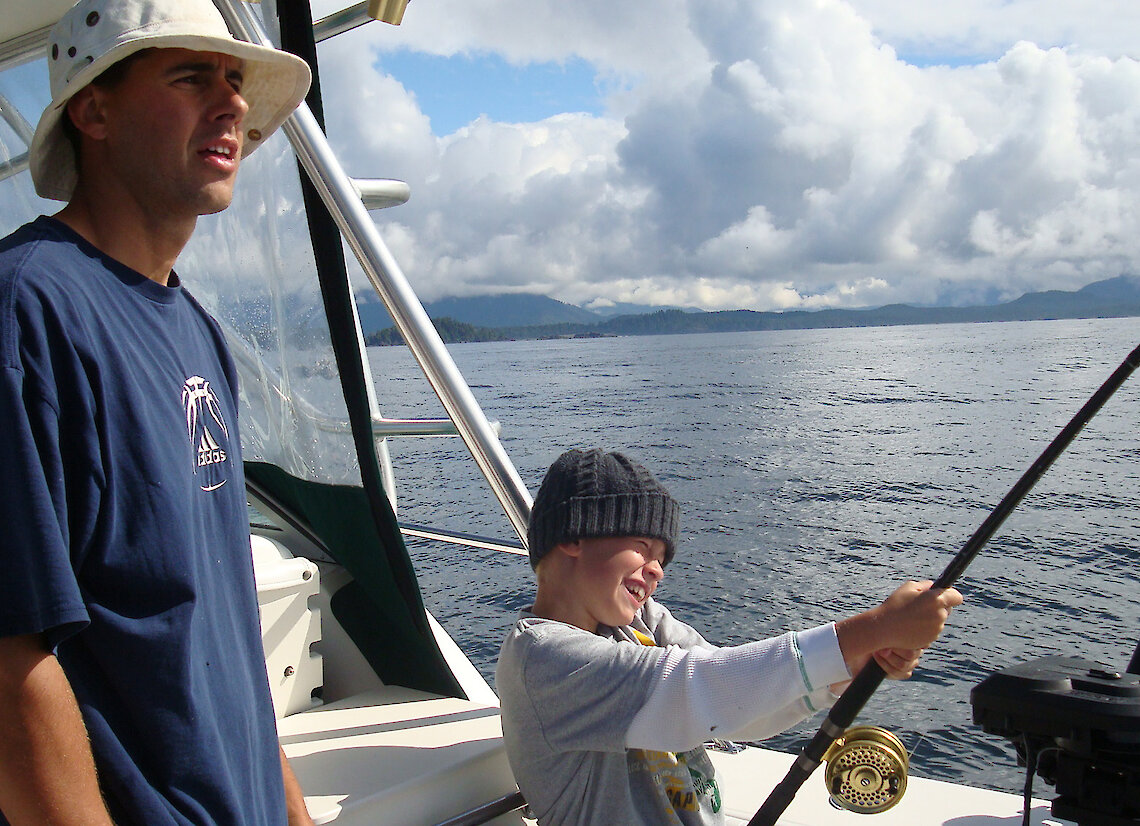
(613, 577)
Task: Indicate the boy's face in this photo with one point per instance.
(615, 576)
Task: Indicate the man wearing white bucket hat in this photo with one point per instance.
(132, 679)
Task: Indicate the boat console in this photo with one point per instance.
(1076, 724)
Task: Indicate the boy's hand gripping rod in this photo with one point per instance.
(843, 713)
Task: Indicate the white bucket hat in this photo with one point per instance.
(96, 34)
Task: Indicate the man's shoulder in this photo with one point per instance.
(18, 235)
(31, 234)
(38, 253)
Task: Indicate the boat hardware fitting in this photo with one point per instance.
(387, 11)
(345, 20)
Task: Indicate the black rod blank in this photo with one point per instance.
(843, 713)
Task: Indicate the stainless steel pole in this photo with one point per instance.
(342, 201)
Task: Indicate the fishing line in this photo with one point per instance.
(921, 739)
(852, 700)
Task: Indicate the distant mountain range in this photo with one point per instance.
(492, 318)
(511, 310)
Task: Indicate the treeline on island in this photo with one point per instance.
(459, 332)
(450, 330)
(1115, 298)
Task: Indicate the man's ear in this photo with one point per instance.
(85, 108)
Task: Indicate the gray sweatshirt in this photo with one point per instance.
(606, 730)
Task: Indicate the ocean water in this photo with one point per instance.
(817, 470)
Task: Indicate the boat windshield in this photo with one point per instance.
(253, 268)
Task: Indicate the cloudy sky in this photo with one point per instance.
(766, 154)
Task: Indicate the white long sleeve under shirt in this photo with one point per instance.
(739, 692)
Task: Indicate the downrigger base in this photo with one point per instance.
(1076, 724)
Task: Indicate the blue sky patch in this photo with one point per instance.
(954, 61)
(453, 91)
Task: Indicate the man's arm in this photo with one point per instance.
(294, 797)
(47, 772)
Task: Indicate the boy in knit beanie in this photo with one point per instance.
(607, 699)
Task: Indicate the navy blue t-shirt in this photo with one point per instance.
(125, 534)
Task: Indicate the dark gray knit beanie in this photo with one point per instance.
(592, 493)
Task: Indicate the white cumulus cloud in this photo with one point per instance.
(774, 154)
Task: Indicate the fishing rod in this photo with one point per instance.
(851, 702)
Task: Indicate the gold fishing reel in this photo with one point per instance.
(866, 770)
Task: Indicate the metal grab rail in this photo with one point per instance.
(13, 167)
(384, 273)
(468, 540)
(11, 115)
(24, 131)
(24, 49)
(341, 21)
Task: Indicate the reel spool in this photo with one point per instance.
(866, 770)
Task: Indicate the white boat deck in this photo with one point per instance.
(398, 757)
(379, 754)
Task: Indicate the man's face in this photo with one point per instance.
(172, 130)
